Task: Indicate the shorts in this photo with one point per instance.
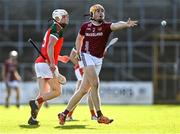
(13, 84)
(88, 60)
(79, 73)
(43, 70)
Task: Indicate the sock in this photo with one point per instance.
(40, 100)
(70, 113)
(65, 112)
(34, 119)
(99, 113)
(92, 113)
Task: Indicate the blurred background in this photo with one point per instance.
(148, 53)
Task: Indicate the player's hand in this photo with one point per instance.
(77, 56)
(131, 23)
(52, 67)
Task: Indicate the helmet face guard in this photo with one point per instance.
(93, 9)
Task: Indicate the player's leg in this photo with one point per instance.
(93, 78)
(42, 72)
(83, 89)
(8, 91)
(69, 116)
(55, 90)
(45, 94)
(17, 89)
(35, 105)
(91, 107)
(44, 90)
(45, 77)
(94, 83)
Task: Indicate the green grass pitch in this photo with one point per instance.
(128, 119)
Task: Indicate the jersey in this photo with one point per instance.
(10, 68)
(56, 31)
(95, 38)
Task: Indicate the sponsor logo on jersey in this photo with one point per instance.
(94, 34)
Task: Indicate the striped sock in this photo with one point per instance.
(99, 113)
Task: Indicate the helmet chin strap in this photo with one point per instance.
(63, 25)
(99, 21)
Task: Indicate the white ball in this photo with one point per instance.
(163, 23)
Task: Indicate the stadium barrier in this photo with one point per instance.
(110, 92)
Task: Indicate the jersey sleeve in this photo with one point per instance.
(82, 30)
(56, 31)
(108, 26)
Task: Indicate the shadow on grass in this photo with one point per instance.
(29, 126)
(74, 120)
(73, 127)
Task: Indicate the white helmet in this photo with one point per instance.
(59, 13)
(13, 53)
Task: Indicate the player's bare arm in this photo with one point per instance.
(3, 73)
(18, 77)
(78, 43)
(121, 24)
(72, 57)
(52, 42)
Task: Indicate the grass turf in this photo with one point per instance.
(128, 119)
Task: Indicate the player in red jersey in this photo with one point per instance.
(90, 45)
(79, 76)
(11, 77)
(46, 70)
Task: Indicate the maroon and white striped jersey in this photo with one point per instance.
(95, 38)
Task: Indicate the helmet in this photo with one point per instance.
(59, 13)
(93, 9)
(13, 53)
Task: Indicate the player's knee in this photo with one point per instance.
(95, 84)
(57, 92)
(83, 92)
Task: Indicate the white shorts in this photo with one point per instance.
(88, 60)
(43, 70)
(78, 73)
(13, 84)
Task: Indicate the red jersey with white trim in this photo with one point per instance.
(95, 38)
(56, 31)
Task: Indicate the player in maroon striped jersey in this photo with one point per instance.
(11, 77)
(90, 44)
